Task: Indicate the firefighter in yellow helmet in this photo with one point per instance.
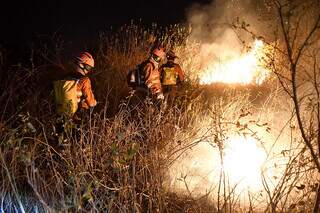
(73, 91)
(171, 76)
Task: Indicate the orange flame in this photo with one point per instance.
(246, 69)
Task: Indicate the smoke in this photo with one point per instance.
(211, 23)
(198, 170)
(213, 26)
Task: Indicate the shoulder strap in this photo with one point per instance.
(138, 74)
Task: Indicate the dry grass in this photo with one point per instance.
(117, 160)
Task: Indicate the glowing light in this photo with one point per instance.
(244, 69)
(242, 164)
(243, 161)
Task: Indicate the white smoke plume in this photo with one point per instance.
(212, 22)
(213, 25)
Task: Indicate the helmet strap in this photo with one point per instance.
(82, 69)
(156, 64)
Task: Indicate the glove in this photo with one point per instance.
(160, 96)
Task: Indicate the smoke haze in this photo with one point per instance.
(211, 25)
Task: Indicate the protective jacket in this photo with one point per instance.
(152, 77)
(85, 93)
(73, 91)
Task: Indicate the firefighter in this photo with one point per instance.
(171, 76)
(73, 90)
(145, 79)
(84, 63)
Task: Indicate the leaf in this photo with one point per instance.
(292, 206)
(130, 154)
(243, 24)
(283, 152)
(314, 187)
(114, 149)
(120, 136)
(87, 195)
(26, 158)
(301, 187)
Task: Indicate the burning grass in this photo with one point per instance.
(189, 157)
(235, 68)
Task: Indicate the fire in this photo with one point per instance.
(243, 162)
(245, 69)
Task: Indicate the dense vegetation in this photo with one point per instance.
(119, 158)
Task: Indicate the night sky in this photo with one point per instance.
(80, 20)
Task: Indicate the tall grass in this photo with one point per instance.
(118, 158)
